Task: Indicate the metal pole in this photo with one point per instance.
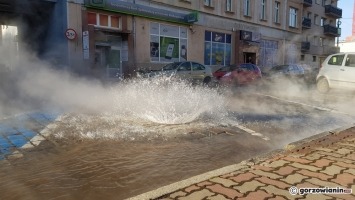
(338, 24)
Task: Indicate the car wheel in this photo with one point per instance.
(322, 85)
(206, 80)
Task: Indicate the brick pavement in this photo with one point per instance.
(325, 160)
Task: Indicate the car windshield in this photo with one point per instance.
(279, 68)
(171, 66)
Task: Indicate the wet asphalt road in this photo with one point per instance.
(81, 168)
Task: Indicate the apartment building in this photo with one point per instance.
(118, 37)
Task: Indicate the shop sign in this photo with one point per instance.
(142, 10)
(86, 53)
(70, 34)
(246, 35)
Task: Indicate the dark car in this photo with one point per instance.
(290, 71)
(242, 74)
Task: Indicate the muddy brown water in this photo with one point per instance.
(87, 169)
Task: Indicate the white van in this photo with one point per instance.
(337, 71)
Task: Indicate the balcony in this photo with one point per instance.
(306, 23)
(333, 11)
(331, 30)
(307, 3)
(305, 46)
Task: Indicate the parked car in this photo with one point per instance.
(242, 74)
(288, 72)
(187, 70)
(337, 71)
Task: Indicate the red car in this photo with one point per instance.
(242, 74)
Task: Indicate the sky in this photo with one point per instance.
(346, 20)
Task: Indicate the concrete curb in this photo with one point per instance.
(231, 168)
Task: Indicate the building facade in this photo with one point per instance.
(118, 37)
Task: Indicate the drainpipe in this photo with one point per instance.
(134, 40)
(284, 32)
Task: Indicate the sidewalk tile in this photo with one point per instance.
(347, 144)
(263, 168)
(293, 179)
(218, 197)
(323, 149)
(278, 198)
(321, 183)
(197, 195)
(223, 181)
(277, 183)
(330, 154)
(332, 170)
(259, 194)
(177, 194)
(275, 164)
(350, 171)
(297, 160)
(191, 188)
(317, 197)
(340, 159)
(285, 170)
(306, 185)
(243, 177)
(343, 151)
(344, 179)
(204, 183)
(279, 192)
(267, 174)
(351, 156)
(313, 156)
(301, 166)
(249, 186)
(322, 163)
(321, 176)
(230, 193)
(342, 196)
(346, 165)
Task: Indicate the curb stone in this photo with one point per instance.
(291, 147)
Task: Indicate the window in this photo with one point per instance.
(350, 61)
(277, 12)
(314, 58)
(336, 60)
(302, 57)
(247, 8)
(293, 17)
(197, 66)
(318, 2)
(168, 43)
(229, 5)
(321, 42)
(208, 2)
(309, 15)
(263, 10)
(323, 21)
(217, 48)
(316, 19)
(99, 19)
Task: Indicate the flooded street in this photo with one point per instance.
(112, 156)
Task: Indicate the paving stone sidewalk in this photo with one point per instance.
(324, 160)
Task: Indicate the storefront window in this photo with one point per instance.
(167, 43)
(217, 48)
(103, 20)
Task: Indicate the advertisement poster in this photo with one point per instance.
(154, 48)
(183, 50)
(169, 49)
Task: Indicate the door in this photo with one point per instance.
(333, 68)
(184, 71)
(347, 72)
(114, 69)
(199, 72)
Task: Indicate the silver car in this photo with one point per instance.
(187, 70)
